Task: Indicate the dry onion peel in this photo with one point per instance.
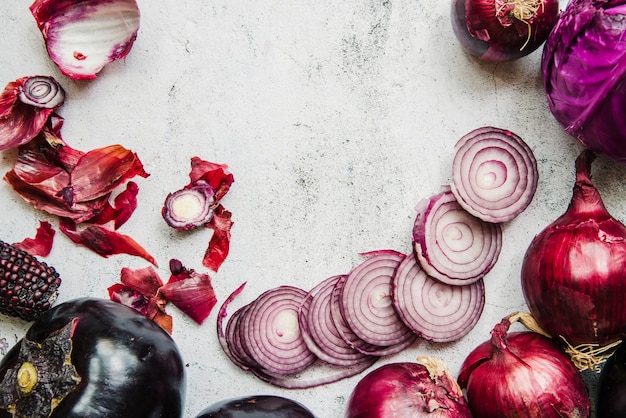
(143, 290)
(83, 36)
(41, 245)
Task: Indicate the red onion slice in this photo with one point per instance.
(319, 330)
(234, 344)
(272, 332)
(494, 174)
(452, 245)
(434, 310)
(83, 36)
(367, 303)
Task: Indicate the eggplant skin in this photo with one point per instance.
(261, 406)
(128, 365)
(611, 401)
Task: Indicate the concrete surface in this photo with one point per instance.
(335, 118)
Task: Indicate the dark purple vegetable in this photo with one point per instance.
(494, 174)
(451, 244)
(573, 271)
(260, 406)
(522, 375)
(584, 74)
(432, 309)
(503, 30)
(408, 390)
(28, 287)
(98, 359)
(611, 400)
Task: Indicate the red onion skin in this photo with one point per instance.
(522, 375)
(572, 273)
(493, 39)
(406, 390)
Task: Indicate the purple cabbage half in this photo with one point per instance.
(584, 74)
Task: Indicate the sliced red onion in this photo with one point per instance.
(41, 92)
(272, 333)
(26, 104)
(319, 331)
(83, 36)
(346, 333)
(494, 174)
(189, 207)
(235, 344)
(367, 303)
(432, 309)
(452, 245)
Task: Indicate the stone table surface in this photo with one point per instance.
(335, 117)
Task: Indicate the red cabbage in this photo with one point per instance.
(584, 66)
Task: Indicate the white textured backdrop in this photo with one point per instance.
(335, 118)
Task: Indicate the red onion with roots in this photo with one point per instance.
(573, 271)
(503, 30)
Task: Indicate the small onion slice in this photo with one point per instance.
(272, 333)
(190, 207)
(367, 303)
(494, 174)
(319, 330)
(451, 244)
(434, 310)
(41, 92)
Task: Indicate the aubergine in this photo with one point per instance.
(261, 406)
(611, 401)
(93, 358)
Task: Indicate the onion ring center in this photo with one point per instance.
(491, 174)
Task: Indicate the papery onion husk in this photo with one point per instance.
(83, 36)
(494, 174)
(573, 271)
(451, 244)
(584, 73)
(503, 30)
(406, 390)
(41, 245)
(26, 104)
(522, 375)
(432, 309)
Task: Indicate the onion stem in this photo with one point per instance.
(529, 321)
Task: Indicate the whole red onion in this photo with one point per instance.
(573, 271)
(408, 390)
(503, 30)
(522, 375)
